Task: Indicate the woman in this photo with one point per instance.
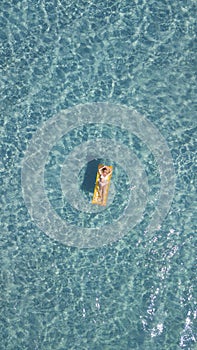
(105, 173)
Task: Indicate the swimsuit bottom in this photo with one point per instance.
(102, 184)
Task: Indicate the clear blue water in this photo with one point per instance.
(135, 288)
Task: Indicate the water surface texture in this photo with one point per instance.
(84, 82)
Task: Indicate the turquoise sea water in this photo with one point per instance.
(135, 288)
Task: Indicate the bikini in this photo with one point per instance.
(103, 180)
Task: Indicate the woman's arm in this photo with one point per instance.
(100, 170)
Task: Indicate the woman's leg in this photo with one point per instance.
(103, 192)
(100, 190)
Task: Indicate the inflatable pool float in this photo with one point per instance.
(101, 189)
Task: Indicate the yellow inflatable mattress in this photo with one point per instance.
(101, 189)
